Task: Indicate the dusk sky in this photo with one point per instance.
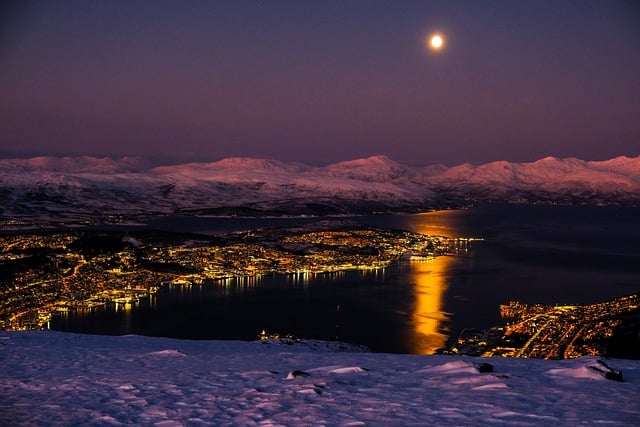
(320, 81)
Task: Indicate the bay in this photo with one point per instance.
(532, 254)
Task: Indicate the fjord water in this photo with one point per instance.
(548, 255)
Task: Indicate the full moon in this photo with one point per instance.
(436, 42)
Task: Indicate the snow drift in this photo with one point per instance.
(51, 378)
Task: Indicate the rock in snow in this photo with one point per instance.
(52, 378)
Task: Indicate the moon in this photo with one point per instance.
(436, 42)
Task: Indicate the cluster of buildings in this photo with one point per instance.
(552, 332)
(48, 273)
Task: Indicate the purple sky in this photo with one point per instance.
(320, 81)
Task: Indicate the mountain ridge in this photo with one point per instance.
(104, 189)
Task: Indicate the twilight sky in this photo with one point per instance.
(320, 81)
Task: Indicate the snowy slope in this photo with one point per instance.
(73, 165)
(549, 175)
(85, 186)
(50, 378)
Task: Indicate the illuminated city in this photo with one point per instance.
(554, 332)
(46, 274)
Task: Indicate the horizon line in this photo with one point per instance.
(164, 161)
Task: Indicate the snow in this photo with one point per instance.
(372, 169)
(53, 378)
(78, 164)
(86, 187)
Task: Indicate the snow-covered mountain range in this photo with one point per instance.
(103, 188)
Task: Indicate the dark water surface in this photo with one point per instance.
(531, 254)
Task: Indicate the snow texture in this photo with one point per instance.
(52, 378)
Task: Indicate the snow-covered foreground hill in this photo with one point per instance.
(106, 189)
(50, 378)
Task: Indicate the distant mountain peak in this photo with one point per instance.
(250, 163)
(378, 159)
(374, 168)
(548, 159)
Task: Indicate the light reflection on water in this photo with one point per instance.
(429, 287)
(429, 279)
(440, 223)
(125, 308)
